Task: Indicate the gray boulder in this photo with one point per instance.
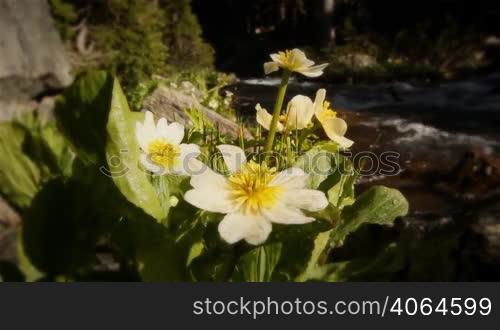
(32, 58)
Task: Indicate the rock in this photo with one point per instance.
(171, 103)
(9, 224)
(8, 244)
(188, 88)
(46, 108)
(476, 175)
(33, 60)
(9, 109)
(8, 217)
(487, 225)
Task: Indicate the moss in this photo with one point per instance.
(184, 37)
(130, 34)
(65, 15)
(64, 11)
(135, 39)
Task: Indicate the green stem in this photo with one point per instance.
(277, 110)
(288, 152)
(303, 136)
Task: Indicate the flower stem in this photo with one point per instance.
(277, 110)
(288, 151)
(301, 139)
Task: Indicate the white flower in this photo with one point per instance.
(214, 104)
(253, 197)
(229, 98)
(299, 113)
(162, 151)
(294, 60)
(335, 128)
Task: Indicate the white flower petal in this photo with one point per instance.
(341, 140)
(318, 101)
(234, 157)
(291, 178)
(333, 127)
(196, 167)
(236, 226)
(313, 71)
(264, 118)
(185, 165)
(300, 110)
(286, 214)
(270, 67)
(149, 121)
(210, 192)
(206, 177)
(260, 235)
(276, 58)
(145, 132)
(142, 139)
(306, 199)
(189, 150)
(339, 125)
(151, 166)
(299, 57)
(161, 125)
(174, 133)
(212, 199)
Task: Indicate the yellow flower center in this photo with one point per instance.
(251, 187)
(327, 112)
(163, 153)
(288, 60)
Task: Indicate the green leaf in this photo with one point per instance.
(82, 113)
(340, 184)
(177, 184)
(95, 116)
(317, 163)
(320, 245)
(30, 272)
(258, 264)
(31, 153)
(60, 228)
(152, 247)
(381, 267)
(20, 177)
(10, 272)
(377, 205)
(217, 259)
(298, 246)
(122, 153)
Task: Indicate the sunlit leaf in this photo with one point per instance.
(377, 205)
(20, 177)
(122, 153)
(259, 263)
(320, 244)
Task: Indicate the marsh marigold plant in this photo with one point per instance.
(174, 203)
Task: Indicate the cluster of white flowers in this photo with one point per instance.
(301, 109)
(252, 196)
